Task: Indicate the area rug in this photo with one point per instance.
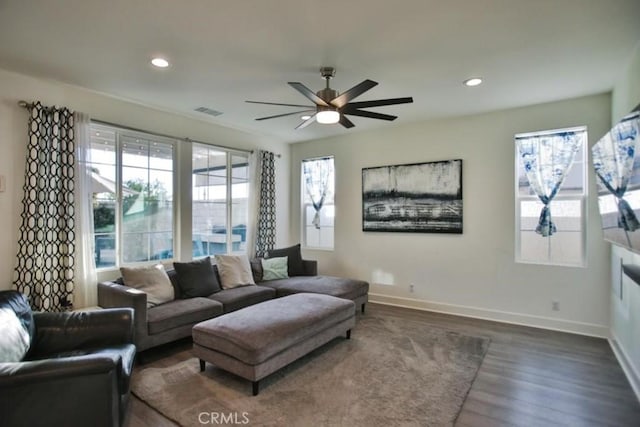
(392, 371)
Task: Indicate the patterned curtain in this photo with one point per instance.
(546, 160)
(613, 158)
(316, 174)
(45, 261)
(266, 233)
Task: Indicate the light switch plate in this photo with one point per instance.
(3, 185)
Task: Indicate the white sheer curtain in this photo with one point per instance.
(316, 174)
(86, 280)
(254, 202)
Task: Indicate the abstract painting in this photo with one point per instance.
(420, 197)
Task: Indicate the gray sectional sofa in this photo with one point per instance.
(173, 320)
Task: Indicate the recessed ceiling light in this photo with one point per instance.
(160, 62)
(305, 117)
(473, 81)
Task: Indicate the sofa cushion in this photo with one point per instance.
(328, 285)
(196, 278)
(181, 312)
(294, 259)
(274, 268)
(240, 297)
(234, 270)
(153, 281)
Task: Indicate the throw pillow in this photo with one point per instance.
(196, 278)
(14, 338)
(234, 271)
(274, 268)
(153, 281)
(16, 326)
(295, 267)
(256, 269)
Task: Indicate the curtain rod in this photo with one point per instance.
(25, 104)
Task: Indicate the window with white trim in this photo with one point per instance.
(220, 200)
(551, 196)
(318, 208)
(132, 178)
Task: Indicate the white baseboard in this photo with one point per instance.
(561, 325)
(632, 374)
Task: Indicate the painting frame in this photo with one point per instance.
(421, 197)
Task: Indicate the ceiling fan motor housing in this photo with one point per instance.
(327, 94)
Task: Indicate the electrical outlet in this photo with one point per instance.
(555, 305)
(411, 288)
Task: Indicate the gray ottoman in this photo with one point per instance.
(260, 339)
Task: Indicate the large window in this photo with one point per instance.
(220, 190)
(551, 193)
(318, 210)
(132, 177)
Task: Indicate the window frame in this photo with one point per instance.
(121, 132)
(581, 197)
(229, 154)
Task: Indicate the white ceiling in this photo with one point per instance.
(223, 52)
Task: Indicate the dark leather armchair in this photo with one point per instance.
(76, 372)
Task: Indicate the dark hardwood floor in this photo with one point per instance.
(529, 377)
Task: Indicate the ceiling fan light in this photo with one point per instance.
(328, 117)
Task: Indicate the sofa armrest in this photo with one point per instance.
(72, 391)
(66, 368)
(113, 295)
(60, 332)
(310, 267)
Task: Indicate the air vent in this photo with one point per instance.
(208, 111)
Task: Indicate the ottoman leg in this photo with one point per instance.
(256, 387)
(349, 334)
(202, 365)
(362, 308)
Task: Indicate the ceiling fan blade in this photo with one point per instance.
(369, 114)
(283, 115)
(308, 93)
(379, 102)
(307, 122)
(346, 122)
(276, 103)
(341, 100)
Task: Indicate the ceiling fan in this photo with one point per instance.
(331, 107)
